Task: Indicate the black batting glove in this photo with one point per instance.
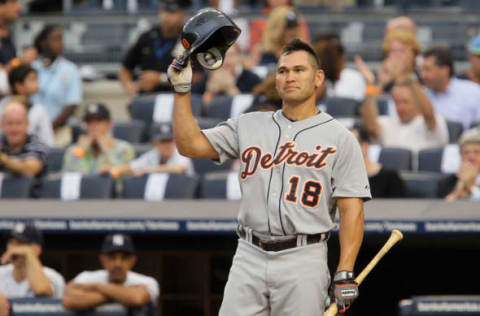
(343, 290)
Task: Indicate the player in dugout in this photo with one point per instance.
(22, 273)
(115, 282)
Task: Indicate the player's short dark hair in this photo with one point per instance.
(297, 45)
(18, 75)
(363, 135)
(443, 57)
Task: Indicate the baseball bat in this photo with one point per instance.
(395, 237)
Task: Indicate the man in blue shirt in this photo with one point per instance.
(455, 99)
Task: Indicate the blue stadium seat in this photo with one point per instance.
(430, 160)
(129, 131)
(55, 159)
(225, 107)
(178, 186)
(455, 130)
(341, 107)
(15, 187)
(421, 185)
(396, 158)
(91, 187)
(203, 166)
(214, 185)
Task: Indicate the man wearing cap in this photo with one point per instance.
(22, 273)
(153, 52)
(115, 282)
(163, 157)
(473, 72)
(97, 151)
(465, 184)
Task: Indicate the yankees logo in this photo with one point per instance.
(252, 157)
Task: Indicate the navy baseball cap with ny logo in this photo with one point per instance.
(27, 232)
(118, 242)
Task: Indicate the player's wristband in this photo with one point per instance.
(343, 275)
(372, 90)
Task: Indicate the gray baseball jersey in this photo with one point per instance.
(291, 171)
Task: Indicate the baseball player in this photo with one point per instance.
(298, 165)
(22, 273)
(113, 283)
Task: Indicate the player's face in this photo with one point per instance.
(471, 153)
(15, 125)
(118, 264)
(404, 103)
(19, 261)
(296, 78)
(433, 76)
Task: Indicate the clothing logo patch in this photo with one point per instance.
(19, 228)
(118, 240)
(252, 157)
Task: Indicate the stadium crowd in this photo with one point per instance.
(415, 117)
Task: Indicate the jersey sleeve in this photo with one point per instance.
(224, 138)
(85, 277)
(56, 282)
(349, 175)
(153, 289)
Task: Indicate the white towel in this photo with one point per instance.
(163, 108)
(233, 187)
(240, 103)
(70, 186)
(374, 152)
(156, 186)
(451, 159)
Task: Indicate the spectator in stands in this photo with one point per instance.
(266, 96)
(22, 273)
(257, 28)
(231, 79)
(97, 151)
(153, 52)
(23, 82)
(20, 153)
(163, 157)
(455, 99)
(473, 73)
(416, 125)
(384, 182)
(9, 13)
(400, 48)
(115, 282)
(340, 81)
(60, 81)
(401, 23)
(282, 26)
(465, 184)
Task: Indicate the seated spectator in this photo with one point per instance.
(465, 184)
(22, 273)
(473, 73)
(340, 81)
(384, 182)
(266, 96)
(154, 51)
(115, 282)
(455, 99)
(416, 125)
(60, 81)
(231, 79)
(401, 23)
(257, 27)
(97, 151)
(20, 153)
(164, 156)
(23, 82)
(401, 49)
(282, 27)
